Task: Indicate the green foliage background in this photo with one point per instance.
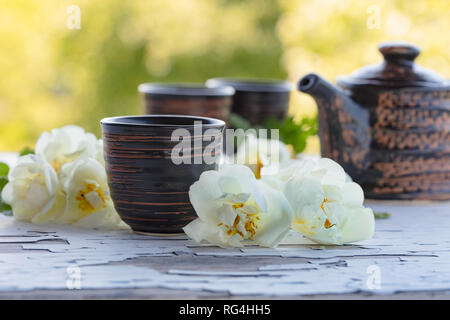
(53, 75)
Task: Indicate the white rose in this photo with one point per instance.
(233, 206)
(88, 200)
(326, 169)
(276, 175)
(327, 208)
(33, 191)
(99, 152)
(257, 153)
(66, 144)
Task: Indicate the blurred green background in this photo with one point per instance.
(55, 74)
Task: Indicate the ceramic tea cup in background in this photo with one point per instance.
(149, 186)
(186, 99)
(257, 99)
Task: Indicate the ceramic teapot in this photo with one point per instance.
(388, 125)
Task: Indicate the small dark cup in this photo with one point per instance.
(186, 99)
(148, 187)
(257, 99)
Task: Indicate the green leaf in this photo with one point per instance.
(381, 215)
(290, 132)
(3, 182)
(4, 169)
(238, 122)
(5, 208)
(293, 133)
(26, 151)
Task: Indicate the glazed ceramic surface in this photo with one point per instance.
(186, 99)
(149, 190)
(388, 125)
(257, 99)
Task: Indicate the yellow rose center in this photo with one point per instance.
(91, 198)
(250, 221)
(259, 166)
(322, 205)
(327, 223)
(302, 226)
(57, 163)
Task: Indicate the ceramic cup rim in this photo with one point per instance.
(252, 84)
(207, 122)
(185, 89)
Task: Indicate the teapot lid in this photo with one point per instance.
(397, 70)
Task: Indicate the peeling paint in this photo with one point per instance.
(409, 252)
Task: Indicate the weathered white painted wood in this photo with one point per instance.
(410, 252)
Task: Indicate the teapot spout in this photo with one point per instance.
(343, 124)
(318, 88)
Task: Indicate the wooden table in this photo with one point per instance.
(409, 257)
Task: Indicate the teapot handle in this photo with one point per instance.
(399, 53)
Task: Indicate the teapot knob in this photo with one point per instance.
(399, 52)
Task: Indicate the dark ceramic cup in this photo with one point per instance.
(149, 186)
(186, 99)
(257, 99)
